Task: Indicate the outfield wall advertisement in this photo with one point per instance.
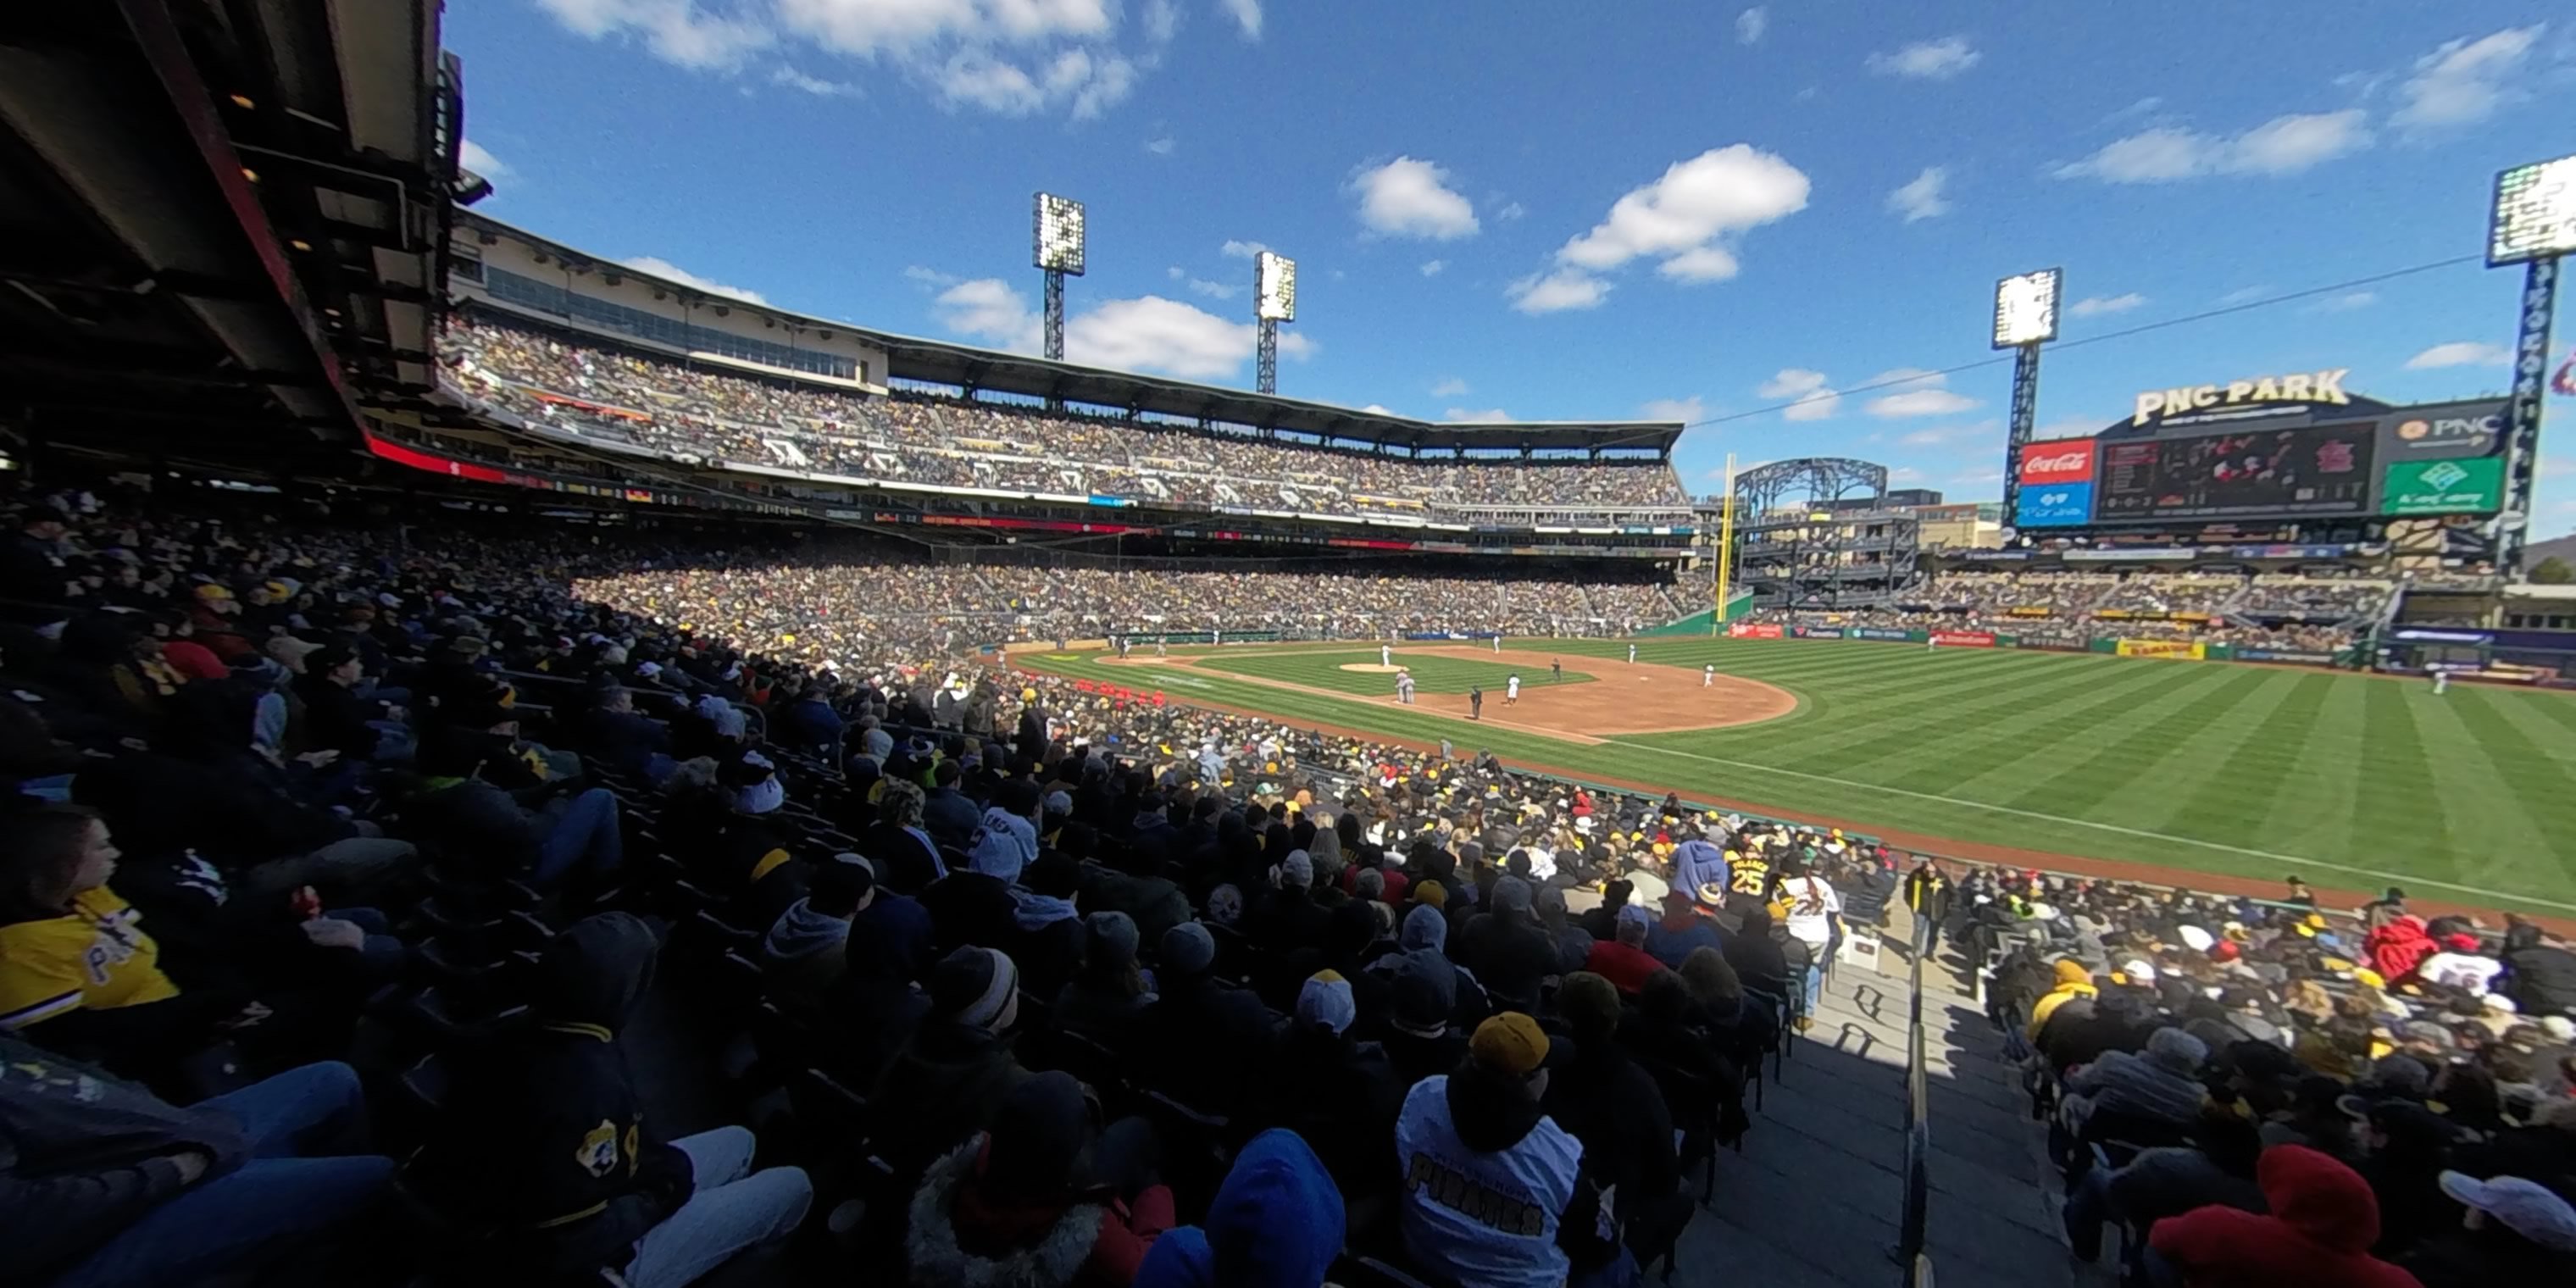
(1883, 633)
(1963, 639)
(1754, 631)
(2160, 648)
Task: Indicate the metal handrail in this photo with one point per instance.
(1918, 1126)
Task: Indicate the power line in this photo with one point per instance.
(2122, 334)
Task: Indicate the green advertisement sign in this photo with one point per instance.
(2471, 486)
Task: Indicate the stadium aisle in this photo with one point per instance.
(1814, 1199)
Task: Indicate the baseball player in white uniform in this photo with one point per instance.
(1512, 689)
(1386, 655)
(1708, 676)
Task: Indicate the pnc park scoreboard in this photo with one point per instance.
(2279, 448)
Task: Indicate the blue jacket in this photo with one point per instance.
(1276, 1222)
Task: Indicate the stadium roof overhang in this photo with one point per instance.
(987, 370)
(222, 222)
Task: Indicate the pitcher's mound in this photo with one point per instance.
(1370, 668)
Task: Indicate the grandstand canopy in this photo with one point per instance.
(219, 227)
(1021, 375)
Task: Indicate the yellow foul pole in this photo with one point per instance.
(1725, 546)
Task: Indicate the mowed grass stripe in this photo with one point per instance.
(2250, 779)
(2174, 726)
(2493, 765)
(1933, 707)
(1994, 761)
(1994, 725)
(2389, 761)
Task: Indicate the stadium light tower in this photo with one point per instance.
(2025, 318)
(1059, 253)
(1274, 300)
(2532, 223)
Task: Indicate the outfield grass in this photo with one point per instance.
(2347, 779)
(1431, 674)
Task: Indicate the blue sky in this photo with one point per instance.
(1532, 210)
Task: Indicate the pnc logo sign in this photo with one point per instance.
(2064, 461)
(2472, 432)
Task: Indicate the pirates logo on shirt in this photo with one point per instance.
(597, 1153)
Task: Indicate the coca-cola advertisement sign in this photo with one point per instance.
(2062, 460)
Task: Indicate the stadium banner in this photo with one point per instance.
(2058, 505)
(2160, 648)
(1753, 631)
(2129, 556)
(2054, 643)
(1817, 632)
(1994, 556)
(2030, 610)
(1963, 639)
(2474, 486)
(2299, 656)
(2103, 644)
(1883, 633)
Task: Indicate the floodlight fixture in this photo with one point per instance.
(2026, 308)
(1274, 287)
(2534, 215)
(1059, 234)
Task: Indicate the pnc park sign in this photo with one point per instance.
(2154, 405)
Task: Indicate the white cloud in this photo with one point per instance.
(1449, 388)
(2461, 353)
(2464, 81)
(1241, 249)
(1684, 218)
(1247, 15)
(472, 156)
(1147, 334)
(2097, 305)
(2290, 144)
(1700, 264)
(1685, 410)
(664, 268)
(1380, 409)
(1915, 392)
(676, 31)
(1810, 398)
(2245, 295)
(2282, 145)
(1407, 197)
(1473, 416)
(1922, 198)
(1566, 288)
(1075, 80)
(933, 277)
(1013, 57)
(814, 85)
(1174, 273)
(1511, 210)
(1928, 59)
(1161, 147)
(1213, 290)
(1905, 474)
(2143, 107)
(1432, 267)
(1750, 24)
(2347, 302)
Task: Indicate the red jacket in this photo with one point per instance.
(2318, 1235)
(1626, 968)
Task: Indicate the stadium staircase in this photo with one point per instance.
(1815, 1200)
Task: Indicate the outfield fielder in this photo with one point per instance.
(1512, 689)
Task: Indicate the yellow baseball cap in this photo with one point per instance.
(1514, 1045)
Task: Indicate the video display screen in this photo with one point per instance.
(2316, 470)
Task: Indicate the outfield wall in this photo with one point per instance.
(2181, 650)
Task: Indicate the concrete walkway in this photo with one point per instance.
(1815, 1198)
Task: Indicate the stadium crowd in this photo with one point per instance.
(2255, 1093)
(597, 390)
(833, 603)
(2070, 608)
(340, 873)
